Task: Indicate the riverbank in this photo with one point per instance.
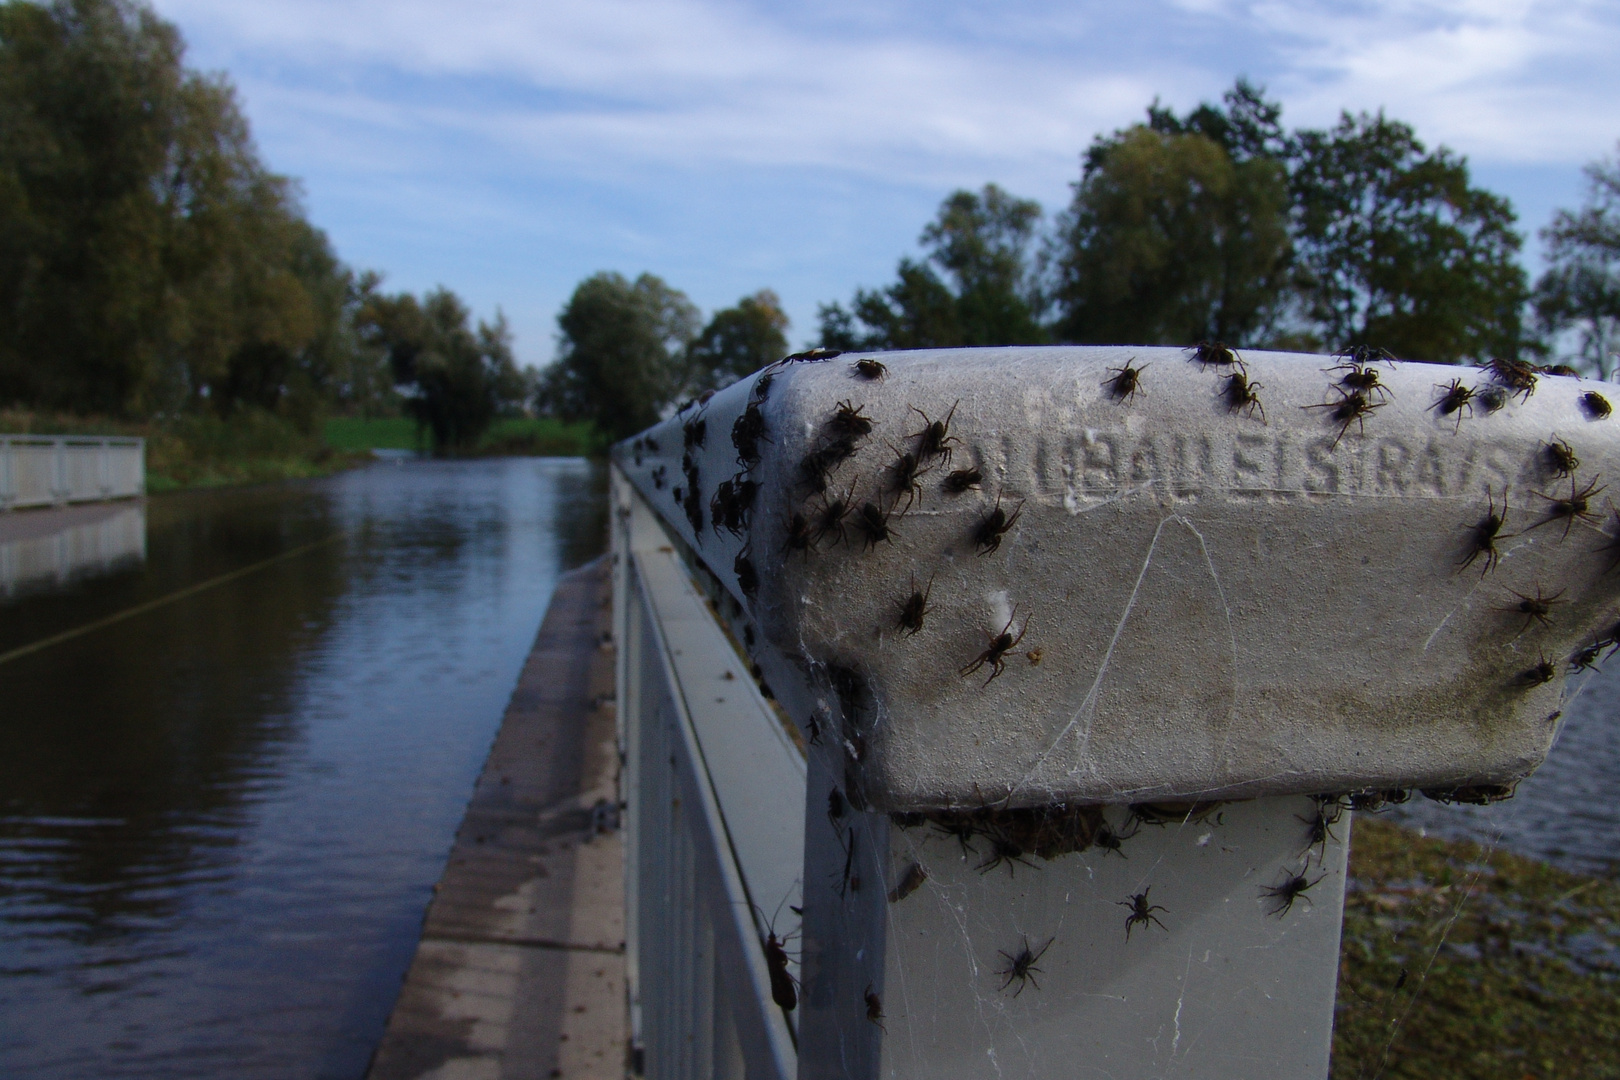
(200, 451)
(1461, 962)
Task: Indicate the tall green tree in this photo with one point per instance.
(456, 379)
(621, 352)
(1396, 248)
(148, 258)
(737, 341)
(978, 284)
(1579, 294)
(1170, 239)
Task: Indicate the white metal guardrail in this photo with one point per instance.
(1088, 653)
(54, 470)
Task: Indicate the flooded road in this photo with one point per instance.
(223, 810)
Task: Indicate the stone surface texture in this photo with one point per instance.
(1206, 598)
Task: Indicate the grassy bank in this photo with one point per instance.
(539, 437)
(1461, 963)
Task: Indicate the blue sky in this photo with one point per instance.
(509, 149)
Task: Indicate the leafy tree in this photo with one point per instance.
(622, 348)
(148, 259)
(737, 341)
(1170, 240)
(1580, 291)
(1397, 250)
(456, 379)
(978, 285)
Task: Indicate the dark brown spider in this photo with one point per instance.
(762, 387)
(1126, 381)
(831, 514)
(1352, 407)
(693, 432)
(746, 434)
(1487, 531)
(1292, 889)
(1213, 354)
(961, 480)
(870, 369)
(819, 463)
(903, 478)
(1534, 608)
(874, 1008)
(693, 505)
(1141, 912)
(1320, 825)
(1493, 398)
(1558, 369)
(1000, 645)
(988, 533)
(1567, 510)
(747, 577)
(1454, 398)
(935, 439)
(797, 536)
(1241, 394)
(1596, 405)
(1021, 968)
(811, 356)
(1538, 675)
(1109, 840)
(874, 525)
(1589, 656)
(1365, 355)
(1362, 378)
(848, 420)
(1471, 794)
(1517, 376)
(915, 607)
(1561, 459)
(1004, 851)
(1371, 801)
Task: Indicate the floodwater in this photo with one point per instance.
(221, 817)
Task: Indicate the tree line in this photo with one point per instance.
(151, 264)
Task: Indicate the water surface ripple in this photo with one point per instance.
(221, 820)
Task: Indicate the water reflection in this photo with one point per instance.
(220, 820)
(51, 548)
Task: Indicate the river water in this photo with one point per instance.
(221, 818)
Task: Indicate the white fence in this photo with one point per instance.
(54, 470)
(980, 718)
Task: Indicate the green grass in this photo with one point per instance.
(538, 437)
(1461, 963)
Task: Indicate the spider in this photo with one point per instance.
(1487, 531)
(1363, 378)
(874, 524)
(1534, 608)
(1454, 399)
(1539, 674)
(1493, 398)
(1108, 840)
(1596, 405)
(1352, 406)
(1589, 656)
(915, 607)
(1021, 968)
(1293, 888)
(871, 369)
(1141, 912)
(1365, 355)
(1000, 645)
(1321, 824)
(1241, 394)
(961, 480)
(987, 535)
(934, 439)
(1213, 354)
(1571, 508)
(1561, 459)
(831, 514)
(797, 536)
(849, 420)
(1516, 375)
(903, 479)
(874, 1008)
(1003, 850)
(1126, 381)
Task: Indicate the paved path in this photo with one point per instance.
(520, 972)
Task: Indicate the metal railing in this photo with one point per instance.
(936, 664)
(55, 470)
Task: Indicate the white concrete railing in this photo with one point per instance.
(1065, 631)
(54, 470)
